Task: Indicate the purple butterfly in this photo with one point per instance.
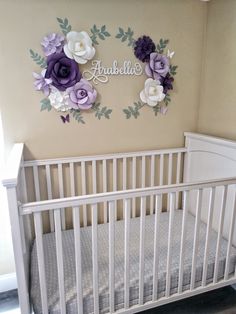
(66, 118)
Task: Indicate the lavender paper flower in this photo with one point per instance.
(63, 72)
(158, 66)
(42, 83)
(52, 43)
(82, 95)
(143, 47)
(167, 82)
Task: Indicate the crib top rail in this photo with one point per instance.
(68, 160)
(11, 172)
(33, 207)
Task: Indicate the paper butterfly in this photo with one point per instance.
(66, 118)
(170, 54)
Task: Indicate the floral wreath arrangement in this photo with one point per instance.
(61, 80)
(158, 69)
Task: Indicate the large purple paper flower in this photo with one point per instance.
(167, 82)
(63, 72)
(143, 47)
(42, 83)
(52, 43)
(158, 66)
(82, 95)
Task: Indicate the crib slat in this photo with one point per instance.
(152, 178)
(94, 170)
(219, 235)
(111, 256)
(230, 238)
(61, 193)
(79, 288)
(40, 259)
(141, 249)
(28, 229)
(124, 173)
(72, 179)
(182, 243)
(36, 183)
(114, 164)
(134, 186)
(170, 169)
(49, 191)
(209, 226)
(104, 177)
(127, 240)
(196, 238)
(60, 266)
(178, 178)
(143, 172)
(158, 208)
(124, 177)
(95, 256)
(169, 250)
(161, 169)
(83, 183)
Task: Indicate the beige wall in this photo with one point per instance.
(23, 23)
(217, 115)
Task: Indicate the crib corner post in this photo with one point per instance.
(186, 158)
(21, 275)
(10, 180)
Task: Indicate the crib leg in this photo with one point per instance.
(22, 280)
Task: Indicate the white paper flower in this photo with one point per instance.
(59, 100)
(152, 93)
(79, 47)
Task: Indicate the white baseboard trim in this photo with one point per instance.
(8, 282)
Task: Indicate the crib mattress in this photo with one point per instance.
(86, 242)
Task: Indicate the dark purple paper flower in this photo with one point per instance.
(52, 43)
(158, 66)
(63, 71)
(143, 47)
(167, 82)
(41, 83)
(82, 95)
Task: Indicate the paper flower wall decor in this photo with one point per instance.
(158, 68)
(60, 78)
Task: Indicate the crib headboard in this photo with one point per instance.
(209, 158)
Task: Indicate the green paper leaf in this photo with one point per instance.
(103, 28)
(133, 111)
(107, 34)
(101, 36)
(64, 25)
(121, 31)
(101, 112)
(60, 20)
(77, 116)
(45, 104)
(118, 35)
(124, 38)
(38, 59)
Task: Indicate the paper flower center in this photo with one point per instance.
(82, 93)
(152, 90)
(64, 71)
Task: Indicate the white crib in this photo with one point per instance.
(122, 233)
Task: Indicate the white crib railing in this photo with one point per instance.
(37, 208)
(101, 174)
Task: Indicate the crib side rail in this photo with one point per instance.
(75, 201)
(69, 177)
(217, 187)
(11, 178)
